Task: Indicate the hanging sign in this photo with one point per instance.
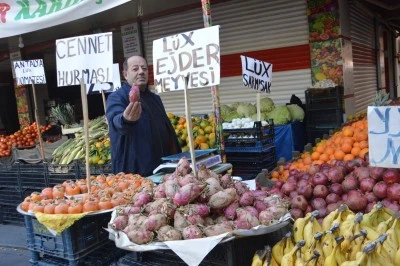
(130, 40)
(88, 57)
(195, 54)
(384, 136)
(106, 87)
(256, 74)
(18, 17)
(29, 72)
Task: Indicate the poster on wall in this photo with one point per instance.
(326, 61)
(131, 42)
(22, 105)
(195, 54)
(384, 136)
(29, 72)
(324, 26)
(321, 6)
(88, 57)
(256, 74)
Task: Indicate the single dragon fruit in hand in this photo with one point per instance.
(134, 94)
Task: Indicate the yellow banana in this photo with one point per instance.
(397, 257)
(363, 258)
(328, 240)
(298, 227)
(289, 244)
(391, 245)
(314, 246)
(358, 241)
(377, 215)
(289, 259)
(351, 231)
(309, 232)
(278, 248)
(328, 220)
(377, 257)
(299, 258)
(273, 262)
(336, 257)
(316, 255)
(258, 258)
(384, 226)
(371, 233)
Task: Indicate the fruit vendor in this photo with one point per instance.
(140, 131)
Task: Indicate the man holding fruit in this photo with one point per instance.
(140, 131)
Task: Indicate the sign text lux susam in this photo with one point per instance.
(390, 147)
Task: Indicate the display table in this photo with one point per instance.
(289, 138)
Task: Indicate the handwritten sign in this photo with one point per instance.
(108, 86)
(384, 136)
(195, 54)
(88, 57)
(130, 40)
(256, 74)
(29, 72)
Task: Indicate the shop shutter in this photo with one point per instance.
(275, 29)
(364, 56)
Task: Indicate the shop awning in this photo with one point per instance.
(18, 17)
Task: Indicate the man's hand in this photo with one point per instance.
(133, 111)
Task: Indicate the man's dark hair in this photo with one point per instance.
(125, 65)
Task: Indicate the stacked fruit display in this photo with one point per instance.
(344, 238)
(349, 143)
(203, 132)
(74, 149)
(71, 197)
(189, 207)
(26, 137)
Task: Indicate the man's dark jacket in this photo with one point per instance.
(137, 147)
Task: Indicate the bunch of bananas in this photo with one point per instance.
(74, 149)
(343, 239)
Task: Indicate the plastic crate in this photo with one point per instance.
(237, 252)
(10, 195)
(105, 255)
(9, 176)
(258, 133)
(324, 118)
(9, 214)
(83, 237)
(94, 169)
(32, 175)
(315, 133)
(323, 99)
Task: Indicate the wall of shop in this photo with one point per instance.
(363, 39)
(276, 32)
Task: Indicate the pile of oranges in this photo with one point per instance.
(347, 144)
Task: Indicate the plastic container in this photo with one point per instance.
(249, 136)
(324, 118)
(8, 214)
(94, 169)
(9, 176)
(323, 99)
(32, 175)
(83, 237)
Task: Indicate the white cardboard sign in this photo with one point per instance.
(106, 87)
(88, 57)
(29, 72)
(195, 54)
(257, 74)
(384, 136)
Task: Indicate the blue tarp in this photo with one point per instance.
(289, 138)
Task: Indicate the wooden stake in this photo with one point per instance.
(86, 131)
(104, 101)
(38, 123)
(189, 126)
(258, 106)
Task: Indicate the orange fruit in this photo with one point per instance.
(307, 160)
(275, 174)
(315, 155)
(361, 136)
(324, 157)
(346, 147)
(320, 148)
(363, 144)
(348, 157)
(355, 151)
(329, 150)
(348, 131)
(363, 152)
(339, 155)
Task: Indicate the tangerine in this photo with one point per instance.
(315, 155)
(339, 155)
(355, 151)
(363, 144)
(348, 157)
(363, 152)
(346, 147)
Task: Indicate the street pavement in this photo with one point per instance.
(13, 251)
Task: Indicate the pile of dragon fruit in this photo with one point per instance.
(187, 207)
